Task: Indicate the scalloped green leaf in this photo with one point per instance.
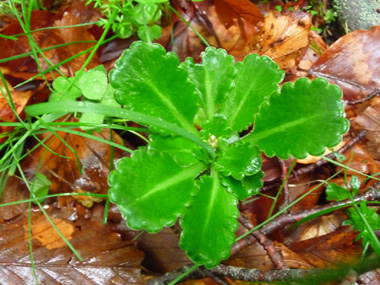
(149, 80)
(151, 189)
(213, 78)
(217, 126)
(209, 224)
(238, 160)
(183, 151)
(306, 117)
(256, 80)
(242, 189)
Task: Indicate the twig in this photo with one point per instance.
(312, 167)
(372, 194)
(274, 255)
(307, 276)
(367, 98)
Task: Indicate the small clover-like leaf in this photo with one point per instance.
(242, 189)
(149, 80)
(93, 84)
(149, 33)
(306, 117)
(209, 224)
(183, 151)
(109, 98)
(256, 80)
(213, 78)
(151, 189)
(64, 90)
(238, 160)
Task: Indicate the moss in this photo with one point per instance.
(358, 14)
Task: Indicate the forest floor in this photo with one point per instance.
(69, 165)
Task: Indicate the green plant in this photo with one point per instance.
(132, 17)
(362, 218)
(201, 179)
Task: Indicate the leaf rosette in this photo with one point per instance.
(177, 176)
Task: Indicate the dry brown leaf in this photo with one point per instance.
(330, 250)
(106, 258)
(20, 100)
(226, 24)
(39, 19)
(352, 62)
(361, 160)
(315, 228)
(316, 48)
(256, 257)
(284, 37)
(94, 156)
(69, 35)
(162, 251)
(228, 10)
(63, 170)
(369, 120)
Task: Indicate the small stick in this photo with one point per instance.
(274, 255)
(367, 98)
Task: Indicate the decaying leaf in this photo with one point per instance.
(352, 62)
(63, 171)
(315, 228)
(326, 251)
(70, 35)
(284, 37)
(369, 120)
(20, 100)
(107, 259)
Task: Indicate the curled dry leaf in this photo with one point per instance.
(352, 62)
(106, 258)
